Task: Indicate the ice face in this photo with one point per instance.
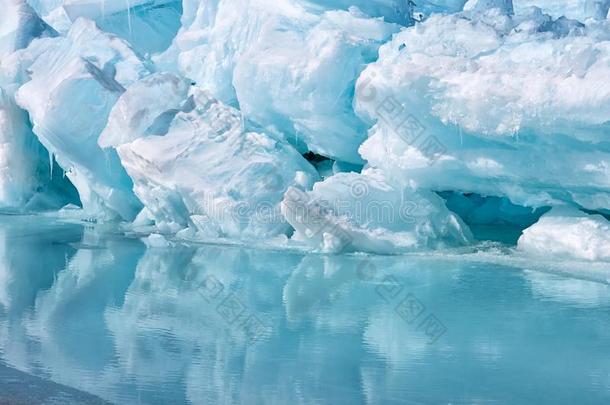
(449, 112)
(195, 165)
(301, 82)
(27, 179)
(17, 159)
(597, 9)
(291, 67)
(75, 81)
(19, 24)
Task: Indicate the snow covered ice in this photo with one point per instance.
(348, 125)
(568, 232)
(458, 81)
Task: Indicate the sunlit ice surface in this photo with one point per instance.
(89, 315)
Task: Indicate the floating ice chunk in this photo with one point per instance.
(156, 240)
(363, 212)
(449, 111)
(568, 232)
(204, 169)
(74, 84)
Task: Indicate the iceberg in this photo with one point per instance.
(195, 165)
(378, 126)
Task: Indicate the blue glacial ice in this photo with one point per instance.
(29, 179)
(195, 165)
(348, 125)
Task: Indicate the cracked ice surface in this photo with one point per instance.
(341, 125)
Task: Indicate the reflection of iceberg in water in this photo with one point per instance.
(569, 290)
(24, 274)
(109, 316)
(67, 320)
(169, 330)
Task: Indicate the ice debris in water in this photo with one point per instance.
(347, 125)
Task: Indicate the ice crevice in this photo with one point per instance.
(377, 126)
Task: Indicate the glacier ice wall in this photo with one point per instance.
(379, 126)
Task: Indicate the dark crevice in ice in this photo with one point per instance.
(492, 218)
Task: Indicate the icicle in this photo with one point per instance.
(51, 161)
(129, 17)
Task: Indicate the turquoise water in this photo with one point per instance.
(88, 309)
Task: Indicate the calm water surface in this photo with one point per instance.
(100, 314)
